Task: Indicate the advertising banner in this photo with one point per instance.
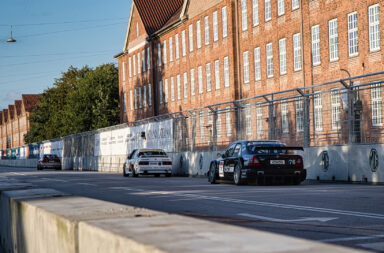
(55, 148)
(123, 141)
(34, 150)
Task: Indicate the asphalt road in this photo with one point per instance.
(351, 215)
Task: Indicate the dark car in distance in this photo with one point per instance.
(261, 162)
(49, 161)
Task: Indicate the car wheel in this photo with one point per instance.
(125, 174)
(237, 175)
(134, 172)
(212, 174)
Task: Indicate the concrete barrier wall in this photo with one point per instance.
(26, 163)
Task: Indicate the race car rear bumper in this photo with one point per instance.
(274, 176)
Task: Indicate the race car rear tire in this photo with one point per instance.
(134, 173)
(212, 174)
(124, 172)
(237, 175)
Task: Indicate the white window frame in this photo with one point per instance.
(143, 65)
(177, 46)
(283, 56)
(145, 96)
(124, 103)
(226, 71)
(178, 83)
(299, 107)
(172, 89)
(246, 66)
(158, 54)
(130, 67)
(224, 21)
(267, 10)
(161, 91)
(170, 40)
(149, 95)
(218, 125)
(198, 34)
(166, 91)
(208, 76)
(148, 59)
(200, 78)
(335, 110)
(244, 15)
(123, 70)
(295, 4)
(215, 27)
(256, 54)
(269, 54)
(134, 64)
(248, 123)
(377, 105)
(353, 39)
(318, 111)
(183, 45)
(190, 37)
(296, 52)
(185, 79)
(206, 30)
(192, 77)
(217, 74)
(374, 27)
(140, 98)
(333, 40)
(284, 117)
(259, 120)
(228, 122)
(316, 55)
(138, 63)
(280, 7)
(131, 99)
(165, 52)
(255, 14)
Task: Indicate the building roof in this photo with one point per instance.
(157, 13)
(18, 107)
(11, 109)
(30, 101)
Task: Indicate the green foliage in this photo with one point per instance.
(81, 100)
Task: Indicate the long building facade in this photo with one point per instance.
(184, 54)
(14, 121)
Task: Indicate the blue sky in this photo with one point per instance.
(53, 35)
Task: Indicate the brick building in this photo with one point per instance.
(188, 54)
(14, 121)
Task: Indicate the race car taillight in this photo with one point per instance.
(167, 163)
(299, 161)
(143, 163)
(254, 161)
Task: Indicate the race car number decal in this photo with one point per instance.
(221, 169)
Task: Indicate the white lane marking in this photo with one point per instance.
(59, 180)
(269, 204)
(86, 184)
(18, 173)
(321, 219)
(353, 238)
(378, 246)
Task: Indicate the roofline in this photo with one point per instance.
(183, 14)
(117, 56)
(128, 28)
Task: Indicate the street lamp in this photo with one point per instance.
(11, 39)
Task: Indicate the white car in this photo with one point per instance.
(147, 162)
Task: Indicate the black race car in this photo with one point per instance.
(261, 162)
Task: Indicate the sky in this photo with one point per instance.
(53, 35)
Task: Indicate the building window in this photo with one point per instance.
(185, 84)
(353, 44)
(299, 104)
(140, 98)
(246, 67)
(315, 45)
(202, 126)
(198, 34)
(248, 126)
(256, 52)
(170, 49)
(374, 28)
(318, 107)
(123, 70)
(217, 74)
(190, 30)
(177, 48)
(269, 60)
(131, 99)
(134, 64)
(135, 98)
(218, 125)
(149, 95)
(200, 79)
(145, 96)
(192, 82)
(333, 40)
(172, 89)
(284, 117)
(283, 56)
(267, 9)
(183, 47)
(335, 105)
(226, 72)
(158, 54)
(259, 120)
(138, 63)
(148, 59)
(280, 7)
(215, 30)
(208, 76)
(130, 67)
(178, 87)
(377, 101)
(124, 104)
(161, 91)
(296, 52)
(166, 91)
(228, 122)
(165, 51)
(143, 60)
(255, 8)
(244, 15)
(295, 4)
(224, 20)
(206, 30)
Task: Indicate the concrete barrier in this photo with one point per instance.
(46, 220)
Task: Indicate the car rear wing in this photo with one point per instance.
(278, 148)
